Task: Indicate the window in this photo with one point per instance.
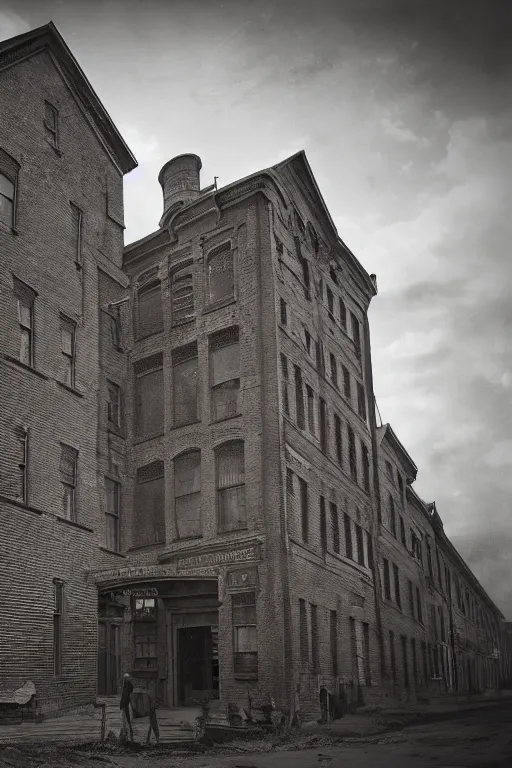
(51, 124)
(402, 532)
(9, 170)
(387, 582)
(304, 509)
(360, 545)
(418, 606)
(187, 494)
(346, 383)
(307, 341)
(334, 370)
(67, 340)
(343, 314)
(221, 274)
(299, 399)
(113, 491)
(400, 487)
(149, 521)
(356, 334)
(305, 274)
(392, 655)
(411, 597)
(403, 640)
(68, 478)
(414, 661)
(396, 578)
(441, 623)
(354, 655)
(334, 642)
(311, 409)
(58, 610)
(361, 401)
(323, 525)
(25, 297)
(114, 404)
(184, 372)
(416, 546)
(284, 313)
(230, 460)
(320, 361)
(149, 397)
(114, 320)
(366, 467)
(392, 515)
(145, 632)
(424, 658)
(333, 275)
(352, 453)
(323, 424)
(225, 374)
(244, 635)
(150, 317)
(289, 482)
(315, 641)
(182, 295)
(313, 237)
(22, 491)
(348, 537)
(330, 301)
(303, 632)
(284, 371)
(338, 440)
(335, 528)
(321, 289)
(76, 229)
(389, 471)
(366, 654)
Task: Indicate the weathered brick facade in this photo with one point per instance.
(229, 469)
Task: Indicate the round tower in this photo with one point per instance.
(179, 179)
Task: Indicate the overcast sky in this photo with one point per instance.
(404, 110)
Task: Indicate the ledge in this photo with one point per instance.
(140, 440)
(111, 552)
(20, 505)
(70, 389)
(219, 305)
(24, 366)
(73, 523)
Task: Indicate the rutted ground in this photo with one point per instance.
(480, 738)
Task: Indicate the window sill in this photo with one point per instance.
(226, 418)
(186, 424)
(20, 505)
(25, 367)
(219, 305)
(73, 524)
(153, 545)
(115, 430)
(247, 678)
(181, 323)
(140, 440)
(55, 149)
(232, 530)
(148, 335)
(112, 552)
(70, 389)
(79, 266)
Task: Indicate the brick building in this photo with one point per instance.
(193, 486)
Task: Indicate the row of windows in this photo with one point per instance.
(420, 673)
(220, 288)
(310, 644)
(357, 542)
(224, 372)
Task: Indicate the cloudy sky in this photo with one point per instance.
(404, 110)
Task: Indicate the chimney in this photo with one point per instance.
(179, 179)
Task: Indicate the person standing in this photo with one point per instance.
(124, 706)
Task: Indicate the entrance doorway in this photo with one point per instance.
(109, 658)
(198, 664)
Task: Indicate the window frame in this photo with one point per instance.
(58, 621)
(230, 446)
(113, 406)
(243, 605)
(70, 487)
(180, 356)
(174, 278)
(53, 134)
(76, 211)
(146, 286)
(227, 337)
(70, 325)
(214, 252)
(196, 452)
(22, 435)
(113, 514)
(304, 509)
(146, 366)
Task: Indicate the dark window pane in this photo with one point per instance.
(149, 404)
(150, 315)
(221, 281)
(185, 391)
(187, 493)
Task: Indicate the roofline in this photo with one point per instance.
(390, 433)
(108, 129)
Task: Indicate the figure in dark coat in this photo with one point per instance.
(124, 705)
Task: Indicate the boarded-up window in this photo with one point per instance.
(25, 297)
(149, 521)
(230, 462)
(113, 491)
(352, 456)
(68, 479)
(245, 635)
(184, 371)
(335, 528)
(150, 318)
(221, 274)
(182, 295)
(187, 494)
(149, 397)
(225, 374)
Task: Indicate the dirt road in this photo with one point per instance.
(472, 739)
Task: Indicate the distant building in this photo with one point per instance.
(193, 486)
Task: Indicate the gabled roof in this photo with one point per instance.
(301, 164)
(47, 37)
(385, 432)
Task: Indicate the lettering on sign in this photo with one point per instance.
(150, 592)
(208, 559)
(142, 572)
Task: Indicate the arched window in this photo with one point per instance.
(182, 295)
(221, 274)
(230, 466)
(187, 494)
(8, 182)
(149, 305)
